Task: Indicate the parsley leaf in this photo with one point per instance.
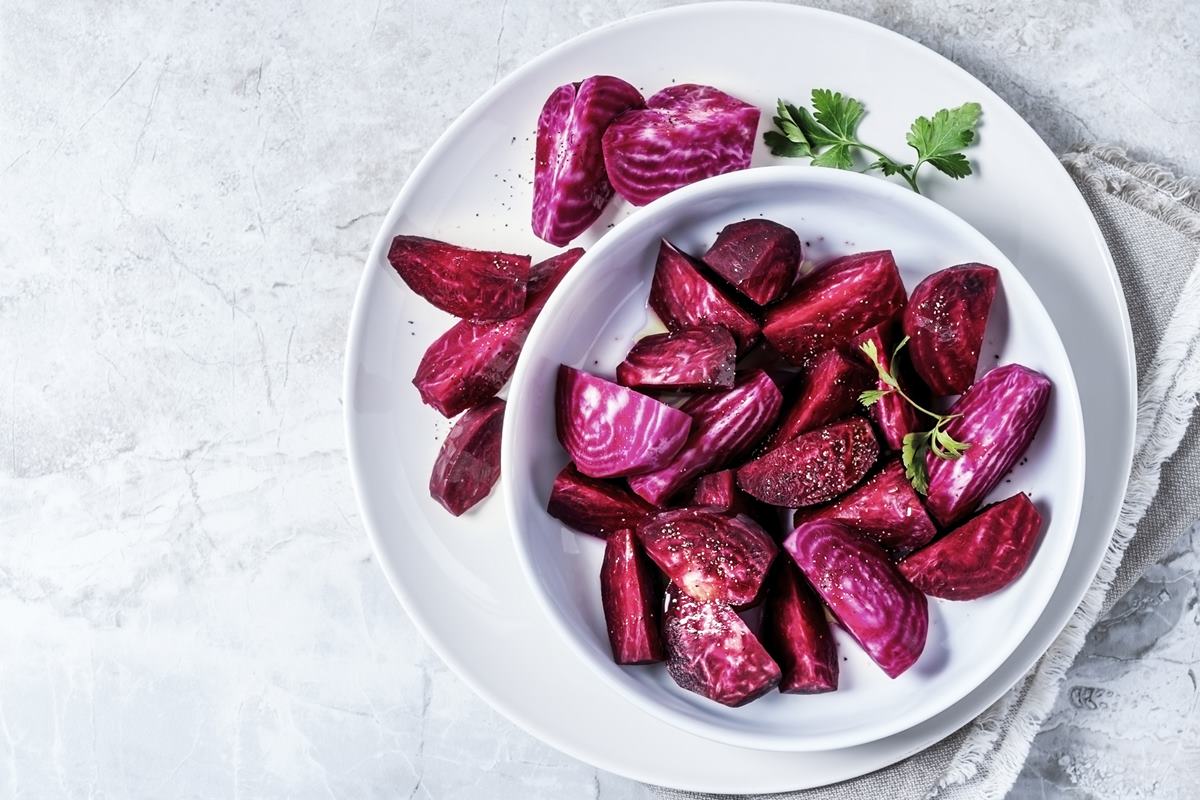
(939, 141)
(912, 455)
(872, 396)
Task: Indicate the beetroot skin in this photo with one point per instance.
(829, 391)
(468, 464)
(815, 467)
(894, 416)
(757, 257)
(867, 595)
(594, 506)
(981, 556)
(683, 297)
(796, 633)
(630, 595)
(945, 321)
(711, 651)
(696, 358)
(470, 284)
(570, 187)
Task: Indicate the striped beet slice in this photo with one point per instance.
(696, 358)
(758, 257)
(796, 633)
(594, 506)
(813, 468)
(945, 321)
(894, 416)
(468, 465)
(684, 297)
(630, 596)
(471, 284)
(828, 392)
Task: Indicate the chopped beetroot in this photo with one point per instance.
(685, 134)
(570, 187)
(835, 304)
(610, 431)
(796, 633)
(945, 321)
(828, 392)
(695, 358)
(981, 556)
(630, 595)
(709, 555)
(724, 426)
(717, 490)
(758, 257)
(711, 651)
(683, 297)
(894, 416)
(998, 416)
(813, 468)
(472, 284)
(867, 595)
(594, 506)
(468, 464)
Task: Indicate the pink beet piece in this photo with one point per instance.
(594, 506)
(999, 416)
(945, 321)
(711, 651)
(472, 361)
(828, 392)
(796, 633)
(478, 285)
(610, 431)
(709, 555)
(724, 426)
(468, 464)
(813, 468)
(684, 297)
(835, 304)
(758, 257)
(981, 556)
(696, 358)
(570, 187)
(685, 134)
(868, 596)
(884, 508)
(894, 416)
(630, 596)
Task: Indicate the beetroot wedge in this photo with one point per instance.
(696, 358)
(711, 651)
(683, 297)
(685, 134)
(471, 284)
(468, 464)
(867, 595)
(831, 307)
(815, 467)
(945, 320)
(471, 362)
(884, 508)
(796, 633)
(630, 595)
(570, 187)
(594, 506)
(758, 257)
(981, 556)
(610, 431)
(894, 416)
(998, 416)
(724, 426)
(828, 392)
(717, 490)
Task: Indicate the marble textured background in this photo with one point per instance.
(188, 605)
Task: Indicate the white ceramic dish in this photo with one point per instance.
(460, 581)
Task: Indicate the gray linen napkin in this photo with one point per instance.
(1152, 223)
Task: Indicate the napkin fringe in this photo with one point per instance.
(1159, 192)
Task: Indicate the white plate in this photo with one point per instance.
(599, 310)
(460, 580)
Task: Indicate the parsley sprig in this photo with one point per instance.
(829, 136)
(936, 440)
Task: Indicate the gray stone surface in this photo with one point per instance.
(186, 194)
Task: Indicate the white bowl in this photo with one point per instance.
(592, 320)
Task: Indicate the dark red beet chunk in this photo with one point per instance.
(630, 594)
(472, 284)
(796, 633)
(867, 595)
(1000, 414)
(981, 556)
(757, 257)
(711, 651)
(832, 306)
(945, 320)
(696, 358)
(570, 187)
(815, 467)
(885, 509)
(472, 361)
(717, 490)
(894, 416)
(828, 392)
(709, 555)
(683, 297)
(593, 506)
(468, 464)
